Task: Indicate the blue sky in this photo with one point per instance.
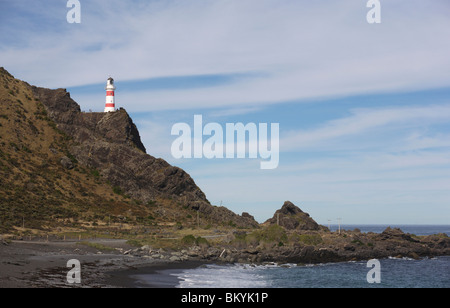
(364, 109)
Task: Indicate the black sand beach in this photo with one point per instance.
(43, 264)
(157, 275)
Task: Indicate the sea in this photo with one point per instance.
(392, 272)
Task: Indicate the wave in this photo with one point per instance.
(224, 276)
(401, 258)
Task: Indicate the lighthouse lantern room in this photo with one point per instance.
(110, 105)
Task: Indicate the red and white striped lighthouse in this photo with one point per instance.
(110, 105)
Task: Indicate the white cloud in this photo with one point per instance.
(305, 49)
(393, 160)
(363, 120)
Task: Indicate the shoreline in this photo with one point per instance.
(44, 265)
(46, 268)
(166, 275)
(113, 263)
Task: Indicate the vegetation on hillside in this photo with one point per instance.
(43, 187)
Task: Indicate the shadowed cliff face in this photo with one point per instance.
(110, 143)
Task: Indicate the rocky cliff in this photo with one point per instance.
(110, 143)
(107, 145)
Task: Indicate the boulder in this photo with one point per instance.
(66, 162)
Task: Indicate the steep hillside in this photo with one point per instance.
(60, 167)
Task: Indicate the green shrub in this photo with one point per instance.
(358, 242)
(117, 190)
(201, 241)
(273, 234)
(190, 240)
(310, 239)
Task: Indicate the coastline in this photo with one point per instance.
(113, 263)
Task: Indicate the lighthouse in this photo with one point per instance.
(110, 106)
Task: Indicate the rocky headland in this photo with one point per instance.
(302, 241)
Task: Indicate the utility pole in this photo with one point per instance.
(329, 220)
(339, 223)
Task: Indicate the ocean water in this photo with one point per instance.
(394, 272)
(413, 229)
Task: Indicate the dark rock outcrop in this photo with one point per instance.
(395, 233)
(292, 217)
(347, 246)
(60, 106)
(115, 127)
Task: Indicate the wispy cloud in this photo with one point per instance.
(371, 163)
(305, 50)
(362, 121)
